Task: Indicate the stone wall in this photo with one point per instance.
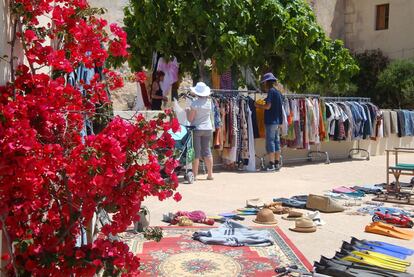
(5, 37)
(397, 41)
(330, 15)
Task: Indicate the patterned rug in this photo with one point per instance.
(179, 255)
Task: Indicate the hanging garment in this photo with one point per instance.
(322, 122)
(139, 100)
(145, 96)
(260, 122)
(254, 118)
(171, 74)
(394, 122)
(285, 125)
(244, 132)
(380, 125)
(226, 80)
(408, 124)
(251, 166)
(401, 124)
(387, 122)
(316, 114)
(215, 76)
(304, 123)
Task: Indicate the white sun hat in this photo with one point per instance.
(201, 89)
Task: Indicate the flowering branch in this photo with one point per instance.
(53, 179)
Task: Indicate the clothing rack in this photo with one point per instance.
(344, 99)
(298, 96)
(311, 154)
(233, 91)
(356, 150)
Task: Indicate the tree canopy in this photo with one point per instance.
(396, 85)
(280, 35)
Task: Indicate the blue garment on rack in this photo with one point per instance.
(401, 123)
(408, 124)
(358, 120)
(217, 116)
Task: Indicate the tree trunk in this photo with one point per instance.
(201, 70)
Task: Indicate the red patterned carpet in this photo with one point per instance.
(179, 255)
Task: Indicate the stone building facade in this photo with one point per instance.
(370, 24)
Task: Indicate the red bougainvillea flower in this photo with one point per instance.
(54, 177)
(140, 77)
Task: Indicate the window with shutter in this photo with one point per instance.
(382, 17)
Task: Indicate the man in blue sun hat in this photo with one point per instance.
(273, 119)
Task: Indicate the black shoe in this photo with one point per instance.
(277, 166)
(271, 167)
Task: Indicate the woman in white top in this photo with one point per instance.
(199, 116)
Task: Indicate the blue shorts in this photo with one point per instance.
(272, 138)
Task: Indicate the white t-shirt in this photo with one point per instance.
(202, 119)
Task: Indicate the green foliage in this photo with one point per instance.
(396, 85)
(280, 35)
(371, 64)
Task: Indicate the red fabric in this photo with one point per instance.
(158, 257)
(145, 97)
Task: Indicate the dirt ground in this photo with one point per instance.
(230, 190)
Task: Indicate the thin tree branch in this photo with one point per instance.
(9, 245)
(25, 47)
(11, 61)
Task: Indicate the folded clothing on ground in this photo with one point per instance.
(370, 209)
(368, 189)
(298, 201)
(233, 234)
(343, 189)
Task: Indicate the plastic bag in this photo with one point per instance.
(181, 114)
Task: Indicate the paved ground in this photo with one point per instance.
(230, 190)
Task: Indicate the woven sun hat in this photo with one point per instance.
(304, 225)
(201, 89)
(265, 216)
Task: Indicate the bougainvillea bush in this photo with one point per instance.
(52, 179)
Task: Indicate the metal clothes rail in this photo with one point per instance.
(311, 154)
(345, 99)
